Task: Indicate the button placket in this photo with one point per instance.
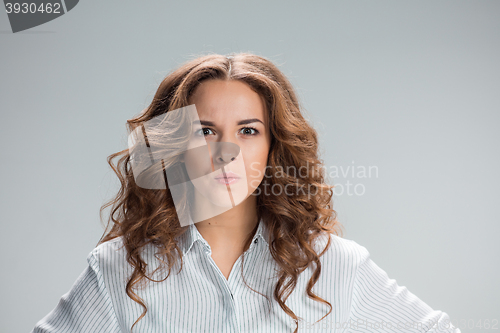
(226, 285)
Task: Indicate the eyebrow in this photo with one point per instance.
(241, 122)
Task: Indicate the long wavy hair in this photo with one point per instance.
(148, 216)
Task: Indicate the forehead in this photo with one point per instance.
(226, 100)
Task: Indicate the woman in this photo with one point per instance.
(222, 177)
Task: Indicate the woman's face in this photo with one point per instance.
(231, 115)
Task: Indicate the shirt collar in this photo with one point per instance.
(192, 235)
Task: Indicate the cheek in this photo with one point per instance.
(255, 163)
(190, 159)
(196, 164)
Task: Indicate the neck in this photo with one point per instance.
(230, 229)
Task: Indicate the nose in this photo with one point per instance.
(225, 152)
(226, 158)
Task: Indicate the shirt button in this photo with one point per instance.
(255, 241)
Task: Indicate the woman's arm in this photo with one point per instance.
(87, 307)
(380, 305)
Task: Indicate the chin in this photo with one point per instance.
(225, 201)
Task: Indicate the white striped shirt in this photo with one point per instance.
(201, 299)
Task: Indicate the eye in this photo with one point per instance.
(248, 131)
(205, 131)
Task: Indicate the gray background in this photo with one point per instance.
(409, 87)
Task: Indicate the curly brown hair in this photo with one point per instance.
(143, 216)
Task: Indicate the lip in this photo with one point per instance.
(230, 178)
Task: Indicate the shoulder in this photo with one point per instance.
(110, 249)
(111, 257)
(342, 252)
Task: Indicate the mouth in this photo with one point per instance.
(227, 178)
